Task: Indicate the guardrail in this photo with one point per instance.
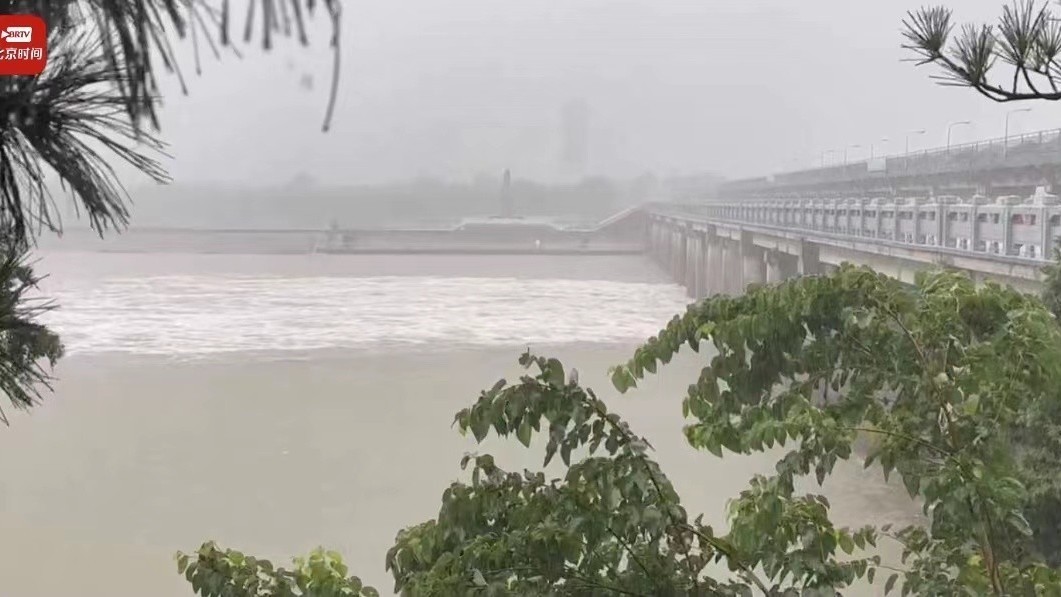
(1008, 227)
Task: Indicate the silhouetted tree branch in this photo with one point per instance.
(1027, 40)
(99, 90)
(88, 108)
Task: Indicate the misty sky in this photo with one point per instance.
(451, 89)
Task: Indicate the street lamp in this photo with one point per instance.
(850, 147)
(871, 146)
(906, 156)
(950, 127)
(917, 132)
(1005, 138)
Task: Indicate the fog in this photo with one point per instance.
(453, 90)
(287, 378)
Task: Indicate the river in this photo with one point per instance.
(277, 403)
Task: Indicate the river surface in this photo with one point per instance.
(277, 403)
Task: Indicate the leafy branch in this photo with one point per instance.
(942, 364)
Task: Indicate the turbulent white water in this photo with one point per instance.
(209, 314)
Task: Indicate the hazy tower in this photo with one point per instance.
(506, 194)
(574, 131)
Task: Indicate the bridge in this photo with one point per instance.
(983, 208)
(1014, 165)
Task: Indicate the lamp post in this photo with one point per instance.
(850, 147)
(906, 156)
(871, 146)
(1005, 138)
(950, 127)
(909, 134)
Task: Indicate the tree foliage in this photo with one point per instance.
(959, 386)
(216, 573)
(1026, 39)
(26, 346)
(953, 380)
(98, 91)
(90, 105)
(1051, 294)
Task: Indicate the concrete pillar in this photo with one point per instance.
(701, 270)
(714, 265)
(725, 274)
(661, 245)
(699, 266)
(736, 272)
(691, 249)
(808, 259)
(753, 266)
(681, 255)
(672, 252)
(773, 267)
(652, 248)
(789, 265)
(734, 267)
(653, 241)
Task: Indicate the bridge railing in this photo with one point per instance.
(1007, 227)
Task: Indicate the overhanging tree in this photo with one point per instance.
(96, 101)
(1026, 39)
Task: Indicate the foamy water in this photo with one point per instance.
(208, 314)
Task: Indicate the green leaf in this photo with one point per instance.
(845, 541)
(890, 583)
(523, 433)
(555, 373)
(712, 444)
(623, 379)
(619, 379)
(912, 482)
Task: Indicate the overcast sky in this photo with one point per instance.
(454, 88)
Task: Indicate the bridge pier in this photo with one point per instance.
(714, 264)
(774, 273)
(702, 273)
(753, 265)
(721, 248)
(808, 264)
(730, 274)
(708, 262)
(692, 262)
(677, 254)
